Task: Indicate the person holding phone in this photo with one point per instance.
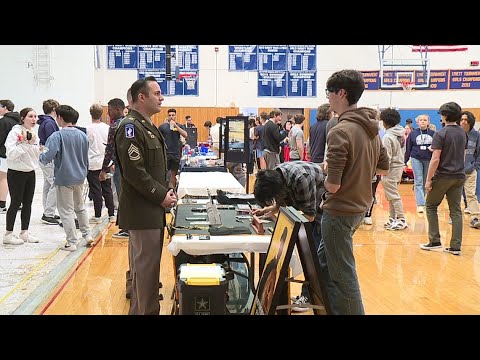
(22, 149)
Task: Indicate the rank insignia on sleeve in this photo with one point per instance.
(133, 152)
(129, 131)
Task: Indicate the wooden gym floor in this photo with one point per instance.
(396, 276)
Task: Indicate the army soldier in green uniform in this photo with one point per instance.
(141, 155)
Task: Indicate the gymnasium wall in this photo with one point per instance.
(71, 71)
(78, 79)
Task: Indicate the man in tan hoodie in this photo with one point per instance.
(354, 155)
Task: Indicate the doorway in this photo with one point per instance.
(290, 111)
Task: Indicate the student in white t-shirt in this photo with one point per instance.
(97, 133)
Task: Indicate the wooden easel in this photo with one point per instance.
(300, 230)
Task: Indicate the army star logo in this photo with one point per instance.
(202, 303)
(133, 152)
(129, 131)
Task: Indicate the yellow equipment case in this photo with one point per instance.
(202, 289)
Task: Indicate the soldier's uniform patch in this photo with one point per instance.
(133, 152)
(130, 131)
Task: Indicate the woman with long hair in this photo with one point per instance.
(417, 144)
(23, 150)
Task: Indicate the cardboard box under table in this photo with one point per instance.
(202, 289)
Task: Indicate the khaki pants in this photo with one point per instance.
(390, 186)
(271, 159)
(146, 252)
(470, 188)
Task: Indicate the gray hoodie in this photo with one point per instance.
(394, 142)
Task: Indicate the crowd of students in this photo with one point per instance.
(348, 156)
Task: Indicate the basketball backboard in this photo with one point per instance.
(398, 65)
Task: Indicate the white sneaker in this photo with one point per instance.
(400, 224)
(69, 247)
(475, 223)
(112, 218)
(95, 220)
(420, 209)
(389, 223)
(28, 238)
(367, 220)
(89, 240)
(301, 304)
(12, 239)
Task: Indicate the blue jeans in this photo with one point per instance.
(317, 238)
(337, 263)
(420, 170)
(116, 180)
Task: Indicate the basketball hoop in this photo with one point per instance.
(190, 82)
(407, 85)
(189, 78)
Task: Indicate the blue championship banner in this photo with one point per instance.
(272, 57)
(272, 83)
(438, 79)
(152, 57)
(122, 56)
(371, 79)
(302, 83)
(185, 57)
(184, 65)
(242, 57)
(186, 86)
(464, 79)
(302, 57)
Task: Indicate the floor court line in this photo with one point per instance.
(85, 256)
(29, 275)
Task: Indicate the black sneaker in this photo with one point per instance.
(452, 251)
(431, 246)
(122, 234)
(129, 296)
(77, 225)
(49, 220)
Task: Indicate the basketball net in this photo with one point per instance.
(190, 82)
(407, 86)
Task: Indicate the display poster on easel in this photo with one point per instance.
(291, 229)
(275, 271)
